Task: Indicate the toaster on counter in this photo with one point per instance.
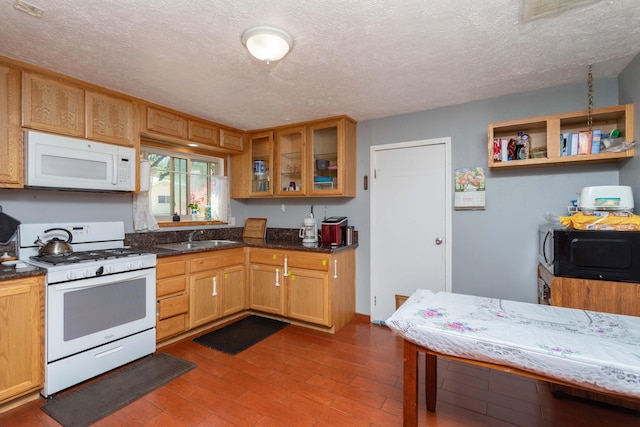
(334, 230)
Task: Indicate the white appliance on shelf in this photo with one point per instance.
(606, 198)
(62, 162)
(99, 301)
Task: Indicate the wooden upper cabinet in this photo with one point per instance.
(11, 148)
(110, 119)
(52, 105)
(331, 169)
(310, 159)
(204, 133)
(231, 140)
(177, 128)
(59, 107)
(291, 162)
(167, 123)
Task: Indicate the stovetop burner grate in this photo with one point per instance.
(87, 256)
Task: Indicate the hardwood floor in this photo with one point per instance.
(302, 377)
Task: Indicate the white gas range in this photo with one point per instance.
(99, 300)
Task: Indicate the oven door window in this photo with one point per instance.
(95, 309)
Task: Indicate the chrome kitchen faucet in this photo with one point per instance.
(194, 232)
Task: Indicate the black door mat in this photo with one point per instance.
(241, 335)
(90, 403)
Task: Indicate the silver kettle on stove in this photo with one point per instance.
(55, 246)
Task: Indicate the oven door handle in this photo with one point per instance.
(544, 249)
(81, 284)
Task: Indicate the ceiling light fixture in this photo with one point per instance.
(268, 44)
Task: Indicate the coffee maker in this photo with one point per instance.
(309, 233)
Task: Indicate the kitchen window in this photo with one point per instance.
(190, 185)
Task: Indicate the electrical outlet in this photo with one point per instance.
(282, 207)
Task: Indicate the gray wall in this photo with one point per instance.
(35, 206)
(629, 87)
(494, 251)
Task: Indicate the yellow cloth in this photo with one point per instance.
(617, 221)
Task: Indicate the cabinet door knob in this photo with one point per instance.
(439, 240)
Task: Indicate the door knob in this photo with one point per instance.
(439, 240)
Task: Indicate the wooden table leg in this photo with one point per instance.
(410, 385)
(431, 381)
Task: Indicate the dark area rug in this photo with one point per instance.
(241, 335)
(96, 400)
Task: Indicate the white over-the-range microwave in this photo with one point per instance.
(54, 161)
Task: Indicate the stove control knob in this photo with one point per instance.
(70, 275)
(100, 271)
(86, 273)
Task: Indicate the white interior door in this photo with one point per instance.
(410, 221)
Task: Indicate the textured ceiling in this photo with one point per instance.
(365, 58)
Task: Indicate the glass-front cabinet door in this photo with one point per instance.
(332, 158)
(261, 149)
(291, 162)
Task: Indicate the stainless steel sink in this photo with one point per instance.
(199, 244)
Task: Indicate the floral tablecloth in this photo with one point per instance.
(598, 351)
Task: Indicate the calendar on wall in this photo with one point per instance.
(469, 185)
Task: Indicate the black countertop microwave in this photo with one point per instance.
(590, 254)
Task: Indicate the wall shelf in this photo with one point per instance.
(545, 133)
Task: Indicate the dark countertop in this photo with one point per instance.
(269, 244)
(8, 273)
(283, 239)
(276, 238)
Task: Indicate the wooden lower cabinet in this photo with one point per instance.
(212, 275)
(317, 288)
(266, 290)
(308, 296)
(593, 295)
(172, 305)
(194, 290)
(597, 295)
(204, 305)
(21, 337)
(233, 287)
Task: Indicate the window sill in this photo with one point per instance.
(188, 223)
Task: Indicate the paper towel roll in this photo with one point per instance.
(145, 174)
